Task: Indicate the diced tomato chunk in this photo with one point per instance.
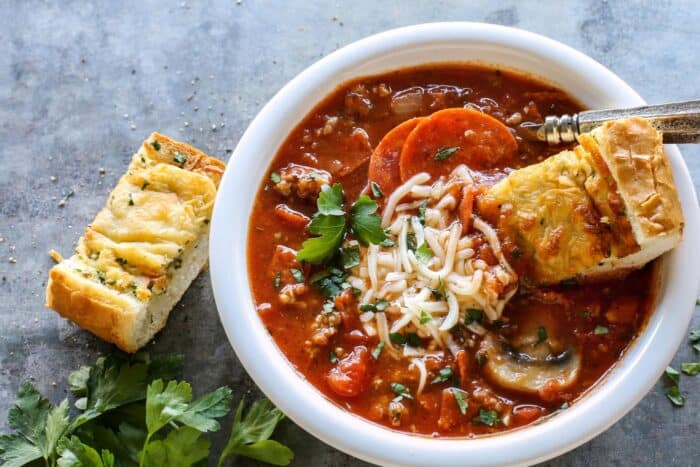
(349, 377)
(465, 209)
(463, 367)
(524, 414)
(291, 217)
(449, 410)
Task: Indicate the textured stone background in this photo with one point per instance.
(83, 83)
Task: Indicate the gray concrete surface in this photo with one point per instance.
(82, 83)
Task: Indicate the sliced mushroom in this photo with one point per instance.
(530, 365)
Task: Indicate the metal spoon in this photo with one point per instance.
(679, 122)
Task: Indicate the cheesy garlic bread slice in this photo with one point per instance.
(607, 206)
(144, 248)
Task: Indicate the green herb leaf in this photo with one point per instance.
(333, 357)
(600, 330)
(297, 275)
(155, 144)
(16, 451)
(377, 351)
(444, 153)
(179, 158)
(183, 447)
(400, 390)
(202, 413)
(350, 256)
(76, 454)
(145, 184)
(541, 334)
(380, 305)
(376, 190)
(425, 317)
(131, 200)
(397, 338)
(413, 339)
(329, 281)
(330, 231)
(275, 177)
(694, 335)
(421, 212)
(690, 369)
(474, 315)
(249, 435)
(164, 403)
(439, 293)
(330, 200)
(486, 417)
(411, 241)
(461, 399)
(424, 253)
(121, 261)
(445, 374)
(672, 374)
(675, 396)
(365, 223)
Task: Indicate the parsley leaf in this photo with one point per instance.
(541, 334)
(179, 158)
(443, 375)
(350, 256)
(250, 435)
(600, 330)
(330, 231)
(76, 454)
(672, 374)
(444, 153)
(183, 447)
(366, 224)
(202, 413)
(297, 275)
(376, 190)
(461, 399)
(486, 417)
(329, 281)
(424, 253)
(155, 144)
(164, 403)
(425, 317)
(675, 396)
(377, 351)
(474, 315)
(333, 357)
(330, 200)
(690, 369)
(413, 339)
(275, 177)
(401, 391)
(421, 212)
(397, 338)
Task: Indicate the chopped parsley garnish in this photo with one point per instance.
(329, 225)
(473, 315)
(401, 391)
(425, 317)
(424, 253)
(461, 399)
(145, 184)
(413, 339)
(486, 417)
(328, 307)
(333, 357)
(694, 338)
(330, 281)
(179, 158)
(277, 281)
(121, 261)
(297, 274)
(350, 256)
(388, 243)
(439, 293)
(421, 212)
(445, 374)
(397, 338)
(377, 351)
(155, 144)
(379, 305)
(275, 177)
(445, 153)
(672, 374)
(366, 224)
(675, 396)
(690, 369)
(541, 334)
(131, 200)
(411, 241)
(376, 190)
(600, 330)
(564, 406)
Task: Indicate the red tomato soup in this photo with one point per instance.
(348, 279)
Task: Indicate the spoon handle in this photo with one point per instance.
(679, 122)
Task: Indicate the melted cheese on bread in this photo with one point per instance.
(143, 248)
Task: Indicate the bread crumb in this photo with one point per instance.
(55, 255)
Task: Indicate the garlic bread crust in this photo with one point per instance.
(139, 255)
(604, 208)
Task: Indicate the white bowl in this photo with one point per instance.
(593, 85)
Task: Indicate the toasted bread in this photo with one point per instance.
(604, 208)
(143, 249)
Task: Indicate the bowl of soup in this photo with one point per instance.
(372, 282)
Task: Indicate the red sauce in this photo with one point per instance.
(338, 136)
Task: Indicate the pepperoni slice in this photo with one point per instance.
(384, 163)
(456, 136)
